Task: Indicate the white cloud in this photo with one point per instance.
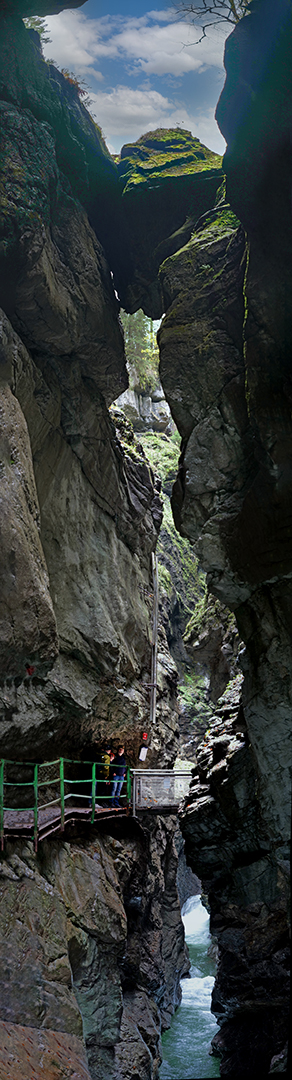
(168, 15)
(152, 48)
(77, 42)
(132, 50)
(124, 114)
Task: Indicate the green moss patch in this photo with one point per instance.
(164, 152)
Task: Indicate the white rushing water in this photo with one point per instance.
(187, 1043)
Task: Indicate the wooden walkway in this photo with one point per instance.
(155, 790)
(21, 822)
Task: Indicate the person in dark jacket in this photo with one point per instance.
(118, 771)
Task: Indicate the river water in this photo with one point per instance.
(186, 1044)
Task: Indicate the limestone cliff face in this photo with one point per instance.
(92, 951)
(83, 513)
(93, 945)
(225, 348)
(80, 519)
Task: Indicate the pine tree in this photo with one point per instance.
(141, 349)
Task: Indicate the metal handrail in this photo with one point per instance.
(132, 778)
(61, 798)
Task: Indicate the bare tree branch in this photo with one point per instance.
(211, 13)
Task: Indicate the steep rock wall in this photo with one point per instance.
(83, 513)
(92, 951)
(93, 948)
(225, 347)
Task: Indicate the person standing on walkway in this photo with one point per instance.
(118, 770)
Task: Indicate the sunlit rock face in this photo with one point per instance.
(147, 410)
(225, 369)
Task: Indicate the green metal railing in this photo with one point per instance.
(62, 795)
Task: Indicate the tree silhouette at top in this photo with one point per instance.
(207, 13)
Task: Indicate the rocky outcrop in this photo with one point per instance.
(202, 373)
(147, 410)
(225, 344)
(96, 950)
(168, 178)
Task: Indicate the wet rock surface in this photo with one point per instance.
(231, 499)
(247, 883)
(84, 515)
(85, 508)
(96, 950)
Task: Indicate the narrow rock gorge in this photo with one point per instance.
(93, 945)
(225, 367)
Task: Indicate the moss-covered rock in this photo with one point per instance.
(168, 179)
(164, 152)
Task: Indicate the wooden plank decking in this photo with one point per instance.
(21, 822)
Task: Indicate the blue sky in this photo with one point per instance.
(143, 68)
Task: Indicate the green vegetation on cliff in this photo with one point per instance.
(164, 152)
(196, 623)
(182, 582)
(34, 22)
(141, 350)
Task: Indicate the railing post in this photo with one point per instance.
(2, 763)
(62, 794)
(129, 786)
(35, 808)
(93, 791)
(134, 796)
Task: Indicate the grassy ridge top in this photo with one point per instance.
(164, 152)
